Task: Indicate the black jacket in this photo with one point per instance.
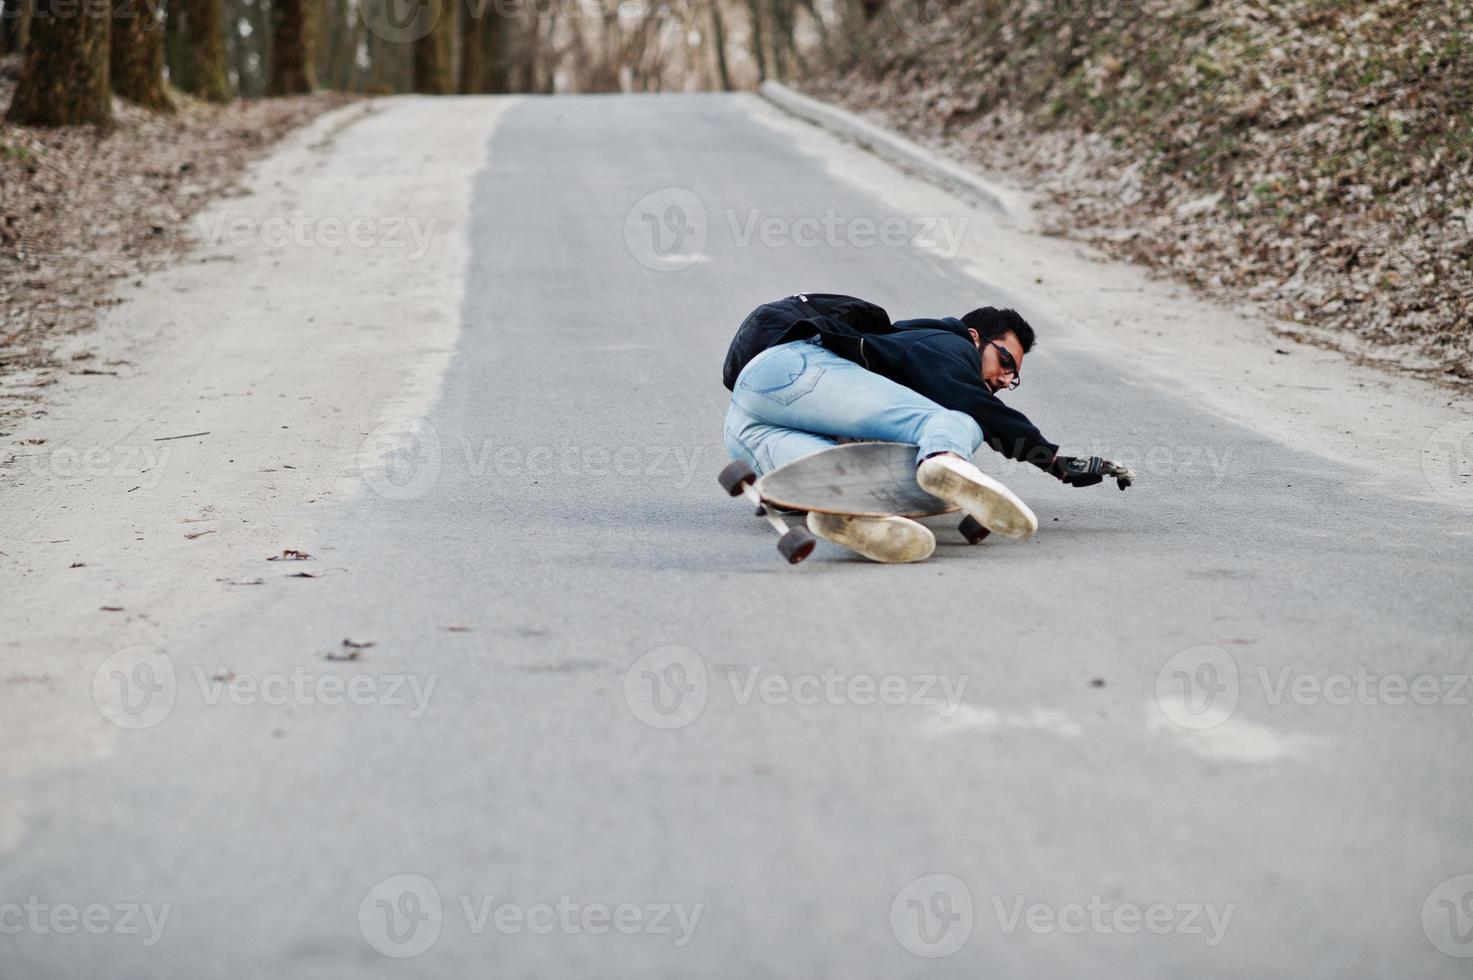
(938, 359)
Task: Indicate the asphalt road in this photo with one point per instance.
(605, 731)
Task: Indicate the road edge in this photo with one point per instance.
(241, 437)
(903, 152)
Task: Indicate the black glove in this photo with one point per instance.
(1086, 471)
(1079, 471)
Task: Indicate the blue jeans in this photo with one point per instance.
(795, 399)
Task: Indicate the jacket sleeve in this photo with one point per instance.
(949, 373)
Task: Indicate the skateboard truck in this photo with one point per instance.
(795, 543)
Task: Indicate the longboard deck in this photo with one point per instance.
(862, 479)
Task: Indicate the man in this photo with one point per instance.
(930, 382)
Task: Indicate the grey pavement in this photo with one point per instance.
(1135, 779)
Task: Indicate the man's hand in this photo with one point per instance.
(1086, 471)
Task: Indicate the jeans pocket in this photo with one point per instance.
(782, 374)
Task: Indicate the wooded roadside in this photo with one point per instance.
(82, 209)
(1312, 157)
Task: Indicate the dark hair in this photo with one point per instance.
(991, 323)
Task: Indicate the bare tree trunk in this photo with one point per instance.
(390, 60)
(817, 18)
(202, 52)
(341, 34)
(718, 41)
(431, 54)
(238, 51)
(348, 65)
(374, 82)
(484, 30)
(546, 59)
(782, 38)
(447, 32)
(260, 52)
(647, 58)
(174, 40)
(520, 73)
(473, 26)
(759, 48)
(15, 24)
(327, 33)
(293, 68)
(137, 57)
(65, 79)
(601, 69)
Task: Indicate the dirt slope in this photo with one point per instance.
(1313, 156)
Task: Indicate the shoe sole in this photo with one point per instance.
(993, 505)
(893, 540)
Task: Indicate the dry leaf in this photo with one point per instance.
(291, 554)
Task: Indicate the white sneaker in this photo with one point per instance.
(995, 507)
(889, 539)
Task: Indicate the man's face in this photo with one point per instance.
(996, 374)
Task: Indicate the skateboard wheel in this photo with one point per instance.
(796, 545)
(735, 477)
(973, 530)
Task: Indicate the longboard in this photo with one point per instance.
(862, 479)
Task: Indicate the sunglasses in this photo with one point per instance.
(1010, 366)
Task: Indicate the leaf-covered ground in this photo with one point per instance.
(82, 208)
(1313, 156)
